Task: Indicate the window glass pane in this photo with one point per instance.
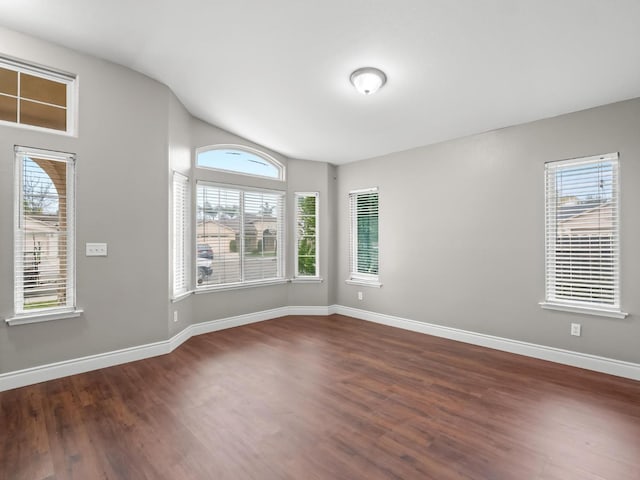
(39, 98)
(8, 109)
(43, 235)
(238, 161)
(306, 211)
(43, 90)
(239, 235)
(367, 233)
(218, 236)
(261, 235)
(8, 81)
(582, 232)
(40, 115)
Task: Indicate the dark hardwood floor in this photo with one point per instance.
(324, 398)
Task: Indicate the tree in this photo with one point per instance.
(209, 212)
(38, 193)
(307, 235)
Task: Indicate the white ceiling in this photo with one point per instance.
(277, 71)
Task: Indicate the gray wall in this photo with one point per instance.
(301, 176)
(462, 231)
(307, 176)
(121, 199)
(133, 133)
(179, 161)
(461, 223)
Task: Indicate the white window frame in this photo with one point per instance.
(70, 80)
(69, 310)
(355, 277)
(552, 300)
(281, 241)
(229, 146)
(298, 276)
(180, 236)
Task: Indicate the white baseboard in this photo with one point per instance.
(29, 376)
(557, 355)
(42, 373)
(323, 311)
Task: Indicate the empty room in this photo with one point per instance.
(350, 240)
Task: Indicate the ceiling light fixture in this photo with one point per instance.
(368, 80)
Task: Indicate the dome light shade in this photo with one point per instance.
(368, 80)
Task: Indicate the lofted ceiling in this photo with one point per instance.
(277, 72)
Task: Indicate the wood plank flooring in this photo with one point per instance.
(324, 398)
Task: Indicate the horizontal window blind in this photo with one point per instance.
(242, 231)
(582, 231)
(307, 234)
(364, 234)
(181, 203)
(44, 234)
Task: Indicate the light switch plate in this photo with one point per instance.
(96, 249)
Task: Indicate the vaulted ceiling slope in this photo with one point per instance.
(277, 72)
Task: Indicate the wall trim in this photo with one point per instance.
(303, 310)
(42, 373)
(587, 361)
(30, 376)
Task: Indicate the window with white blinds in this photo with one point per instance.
(181, 201)
(44, 232)
(239, 234)
(363, 208)
(306, 249)
(582, 232)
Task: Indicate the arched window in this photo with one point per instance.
(242, 160)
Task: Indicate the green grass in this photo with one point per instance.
(47, 304)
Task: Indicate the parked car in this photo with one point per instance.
(204, 269)
(204, 251)
(204, 262)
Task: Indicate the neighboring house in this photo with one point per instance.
(588, 218)
(42, 254)
(584, 249)
(217, 235)
(260, 233)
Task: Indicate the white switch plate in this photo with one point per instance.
(96, 249)
(360, 296)
(575, 329)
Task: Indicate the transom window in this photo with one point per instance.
(242, 160)
(36, 97)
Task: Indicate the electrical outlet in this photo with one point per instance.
(360, 297)
(575, 329)
(175, 316)
(96, 250)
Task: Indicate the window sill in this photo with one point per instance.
(364, 283)
(239, 286)
(562, 307)
(23, 319)
(307, 280)
(182, 296)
